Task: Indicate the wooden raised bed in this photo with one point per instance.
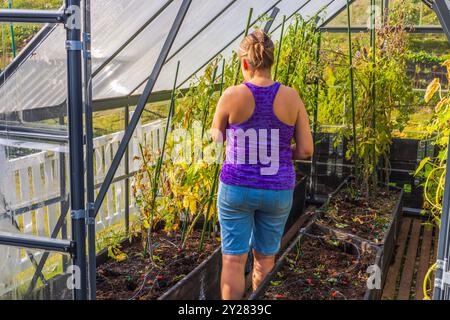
(203, 282)
(348, 245)
(387, 245)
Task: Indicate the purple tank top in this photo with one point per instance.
(258, 153)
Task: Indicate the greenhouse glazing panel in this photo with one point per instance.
(114, 22)
(211, 40)
(231, 23)
(33, 188)
(130, 68)
(40, 81)
(125, 71)
(17, 273)
(34, 202)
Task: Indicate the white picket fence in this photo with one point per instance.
(35, 179)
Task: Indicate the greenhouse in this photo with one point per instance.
(110, 174)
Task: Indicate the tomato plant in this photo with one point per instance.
(382, 98)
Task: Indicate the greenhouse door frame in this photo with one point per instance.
(71, 19)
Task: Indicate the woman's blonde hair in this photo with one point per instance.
(258, 49)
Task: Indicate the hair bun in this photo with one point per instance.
(258, 49)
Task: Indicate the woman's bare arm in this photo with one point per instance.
(304, 144)
(220, 122)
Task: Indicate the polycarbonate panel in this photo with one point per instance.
(40, 81)
(308, 10)
(129, 69)
(211, 40)
(231, 23)
(32, 202)
(17, 269)
(114, 22)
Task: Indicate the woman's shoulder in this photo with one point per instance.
(289, 92)
(235, 90)
(236, 93)
(290, 96)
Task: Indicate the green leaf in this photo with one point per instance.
(422, 164)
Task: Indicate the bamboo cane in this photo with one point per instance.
(247, 28)
(352, 87)
(280, 43)
(148, 244)
(216, 176)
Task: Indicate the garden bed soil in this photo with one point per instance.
(137, 278)
(319, 266)
(368, 219)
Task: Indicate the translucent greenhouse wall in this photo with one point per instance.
(32, 200)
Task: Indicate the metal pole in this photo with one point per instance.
(286, 82)
(443, 14)
(90, 189)
(127, 173)
(280, 44)
(21, 240)
(75, 118)
(64, 205)
(269, 23)
(386, 11)
(32, 16)
(142, 103)
(352, 86)
(247, 28)
(11, 27)
(444, 236)
(373, 88)
(313, 180)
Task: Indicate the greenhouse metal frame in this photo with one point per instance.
(80, 93)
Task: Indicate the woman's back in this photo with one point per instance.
(260, 130)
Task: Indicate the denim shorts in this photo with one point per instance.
(252, 218)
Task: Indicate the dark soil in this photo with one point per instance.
(138, 278)
(322, 269)
(368, 218)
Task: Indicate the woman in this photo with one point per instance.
(260, 118)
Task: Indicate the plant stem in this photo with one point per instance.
(352, 87)
(247, 28)
(210, 201)
(280, 43)
(148, 245)
(373, 92)
(208, 99)
(290, 56)
(216, 175)
(13, 38)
